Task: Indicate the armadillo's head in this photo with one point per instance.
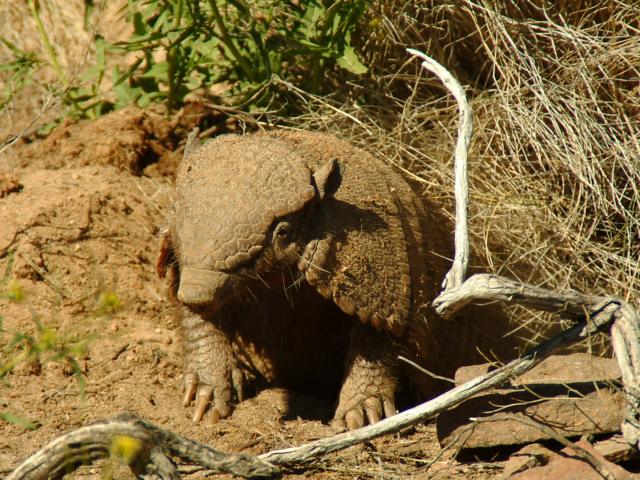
(238, 208)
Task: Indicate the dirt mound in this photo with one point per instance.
(65, 224)
(130, 139)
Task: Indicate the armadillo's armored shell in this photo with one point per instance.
(367, 250)
(229, 191)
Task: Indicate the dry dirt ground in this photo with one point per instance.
(79, 216)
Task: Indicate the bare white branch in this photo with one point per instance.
(458, 271)
(487, 288)
(625, 337)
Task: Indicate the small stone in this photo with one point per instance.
(616, 449)
(67, 369)
(30, 367)
(9, 184)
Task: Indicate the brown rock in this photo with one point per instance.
(571, 368)
(568, 393)
(9, 184)
(530, 456)
(616, 449)
(568, 466)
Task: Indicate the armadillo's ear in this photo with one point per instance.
(327, 178)
(166, 255)
(167, 264)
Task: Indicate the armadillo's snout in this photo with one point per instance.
(201, 288)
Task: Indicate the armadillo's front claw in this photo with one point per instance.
(371, 410)
(213, 397)
(203, 398)
(189, 388)
(212, 374)
(367, 394)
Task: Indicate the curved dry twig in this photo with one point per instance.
(455, 276)
(625, 337)
(485, 287)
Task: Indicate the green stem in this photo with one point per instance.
(330, 13)
(226, 38)
(316, 74)
(53, 58)
(172, 60)
(178, 17)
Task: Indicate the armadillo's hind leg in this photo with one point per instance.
(369, 388)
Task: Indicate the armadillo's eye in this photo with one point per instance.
(282, 231)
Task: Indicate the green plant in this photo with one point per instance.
(185, 45)
(238, 47)
(44, 344)
(21, 68)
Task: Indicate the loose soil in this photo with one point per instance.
(79, 215)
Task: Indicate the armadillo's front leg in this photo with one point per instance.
(369, 388)
(212, 374)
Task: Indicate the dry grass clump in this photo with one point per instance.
(554, 163)
(46, 46)
(30, 27)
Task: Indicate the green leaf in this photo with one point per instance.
(88, 11)
(126, 94)
(47, 128)
(100, 55)
(13, 291)
(158, 70)
(144, 101)
(163, 20)
(138, 24)
(351, 62)
(21, 422)
(12, 46)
